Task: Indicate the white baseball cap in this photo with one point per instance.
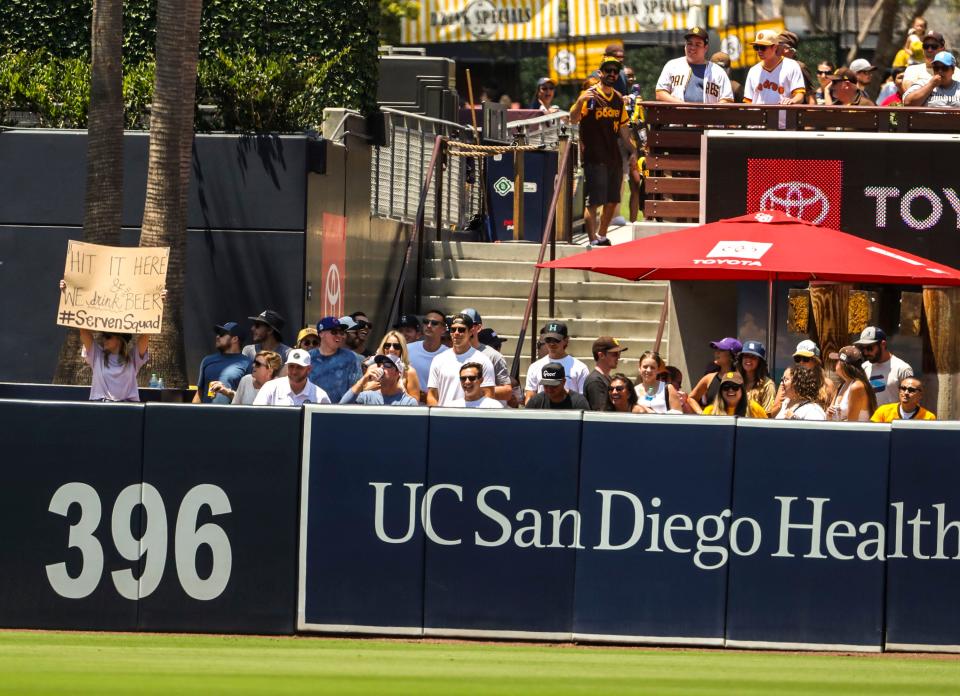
(298, 356)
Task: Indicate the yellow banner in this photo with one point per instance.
(573, 61)
(616, 17)
(446, 21)
(736, 41)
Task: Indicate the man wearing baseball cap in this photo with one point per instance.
(884, 369)
(385, 373)
(775, 79)
(787, 44)
(409, 327)
(443, 385)
(503, 389)
(294, 389)
(845, 89)
(333, 368)
(941, 90)
(555, 395)
(918, 74)
(693, 78)
(596, 387)
(266, 335)
(556, 338)
(224, 368)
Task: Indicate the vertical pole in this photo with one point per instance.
(518, 195)
(438, 193)
(563, 182)
(534, 333)
(771, 340)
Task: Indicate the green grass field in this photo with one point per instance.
(132, 664)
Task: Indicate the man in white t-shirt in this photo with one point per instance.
(884, 369)
(918, 74)
(555, 335)
(775, 79)
(422, 353)
(692, 78)
(470, 375)
(503, 389)
(941, 90)
(443, 385)
(294, 389)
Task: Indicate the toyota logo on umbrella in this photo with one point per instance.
(797, 199)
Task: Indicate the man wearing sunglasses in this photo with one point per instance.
(443, 385)
(503, 389)
(422, 353)
(693, 78)
(556, 337)
(918, 74)
(224, 368)
(473, 397)
(884, 369)
(845, 89)
(358, 332)
(333, 368)
(266, 334)
(775, 79)
(409, 327)
(386, 373)
(907, 407)
(941, 90)
(604, 124)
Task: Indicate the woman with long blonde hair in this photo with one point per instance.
(393, 343)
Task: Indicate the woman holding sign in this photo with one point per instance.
(115, 359)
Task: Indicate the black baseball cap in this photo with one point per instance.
(553, 374)
(232, 328)
(408, 321)
(555, 329)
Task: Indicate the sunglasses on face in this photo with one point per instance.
(611, 71)
(458, 329)
(930, 46)
(469, 378)
(257, 363)
(311, 343)
(432, 322)
(392, 345)
(761, 49)
(731, 387)
(362, 325)
(551, 341)
(801, 359)
(547, 88)
(616, 387)
(910, 390)
(823, 72)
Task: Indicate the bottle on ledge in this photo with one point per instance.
(154, 383)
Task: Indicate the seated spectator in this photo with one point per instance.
(782, 401)
(732, 399)
(894, 97)
(918, 74)
(854, 400)
(824, 70)
(294, 389)
(380, 385)
(803, 392)
(908, 407)
(333, 368)
(622, 394)
(846, 91)
(941, 90)
(556, 338)
(752, 366)
(308, 338)
(444, 383)
(409, 327)
(675, 377)
(606, 357)
(394, 344)
(266, 334)
(555, 395)
(359, 334)
(807, 355)
(266, 366)
(224, 368)
(724, 357)
(473, 397)
(653, 394)
(863, 70)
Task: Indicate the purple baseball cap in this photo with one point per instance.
(728, 343)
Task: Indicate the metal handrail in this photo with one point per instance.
(546, 118)
(428, 119)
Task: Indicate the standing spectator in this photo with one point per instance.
(266, 366)
(443, 385)
(361, 334)
(556, 339)
(555, 394)
(941, 90)
(655, 395)
(775, 79)
(864, 71)
(723, 60)
(489, 337)
(844, 90)
(752, 365)
(884, 369)
(471, 374)
(333, 368)
(409, 327)
(907, 407)
(895, 98)
(732, 400)
(615, 51)
(503, 390)
(824, 71)
(622, 394)
(543, 99)
(602, 116)
(693, 78)
(224, 368)
(294, 389)
(918, 74)
(803, 392)
(705, 392)
(423, 352)
(787, 44)
(266, 334)
(854, 400)
(606, 356)
(308, 338)
(394, 345)
(380, 385)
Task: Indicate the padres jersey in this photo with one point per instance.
(676, 75)
(600, 128)
(773, 86)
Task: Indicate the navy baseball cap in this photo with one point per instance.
(489, 337)
(871, 335)
(754, 348)
(407, 321)
(328, 323)
(232, 328)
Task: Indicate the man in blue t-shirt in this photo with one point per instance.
(223, 368)
(333, 368)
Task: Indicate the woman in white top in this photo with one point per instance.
(802, 391)
(654, 395)
(266, 366)
(855, 399)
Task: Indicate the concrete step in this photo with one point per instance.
(565, 309)
(500, 251)
(506, 270)
(609, 290)
(581, 328)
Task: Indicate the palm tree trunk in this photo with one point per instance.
(168, 177)
(104, 193)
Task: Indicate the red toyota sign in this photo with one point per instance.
(334, 255)
(805, 189)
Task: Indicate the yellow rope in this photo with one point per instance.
(456, 148)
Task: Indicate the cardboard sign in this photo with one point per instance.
(113, 288)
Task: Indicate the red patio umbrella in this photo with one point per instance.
(768, 245)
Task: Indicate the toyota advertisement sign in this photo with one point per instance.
(896, 189)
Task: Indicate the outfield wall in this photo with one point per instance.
(442, 522)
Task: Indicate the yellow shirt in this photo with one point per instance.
(756, 410)
(891, 412)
